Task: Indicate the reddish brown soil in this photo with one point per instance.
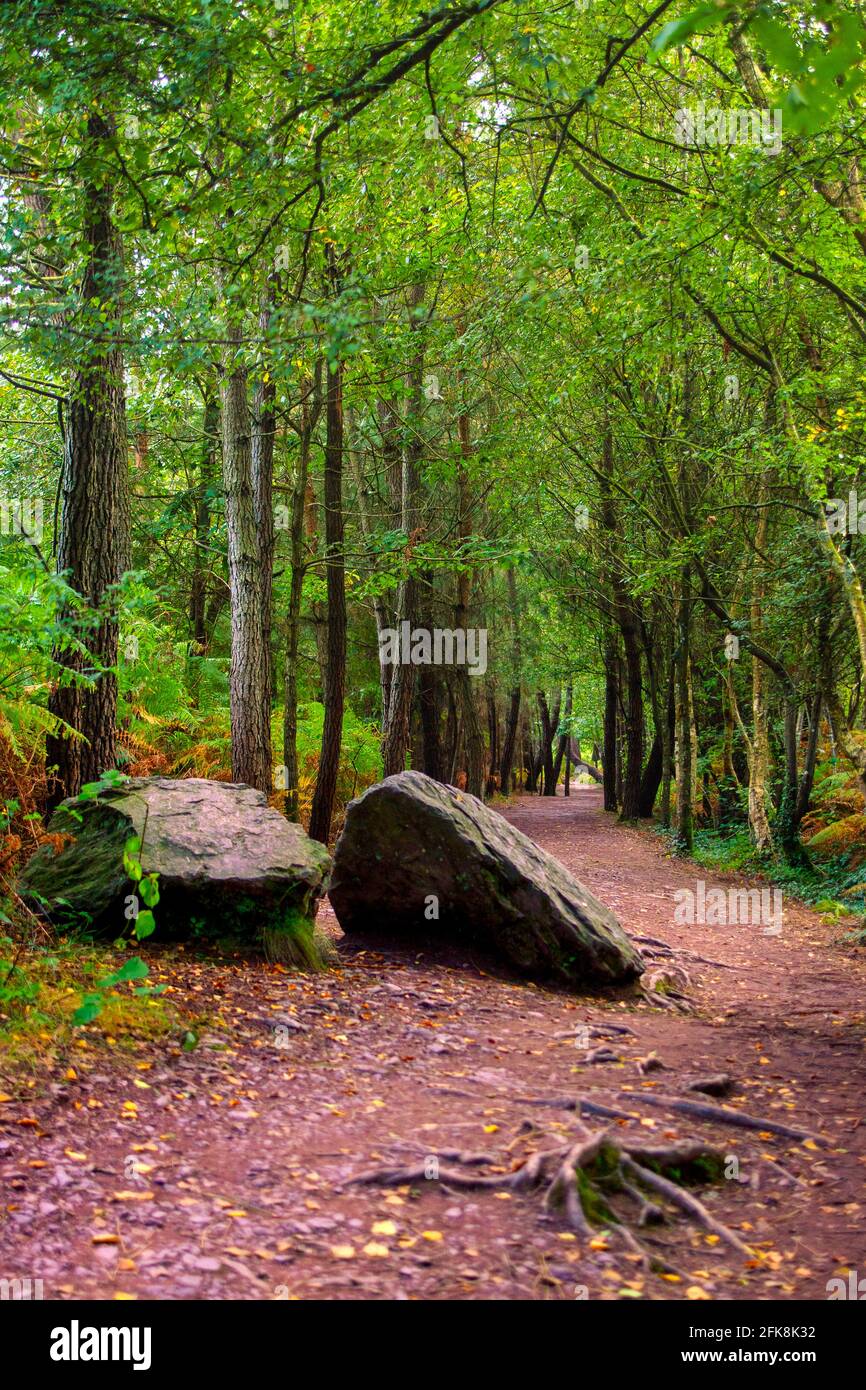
(248, 1137)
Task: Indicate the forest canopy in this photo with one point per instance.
(536, 327)
(432, 529)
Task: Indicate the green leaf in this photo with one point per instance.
(132, 969)
(778, 43)
(675, 33)
(149, 890)
(89, 1009)
(145, 924)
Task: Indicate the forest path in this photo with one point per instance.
(215, 1173)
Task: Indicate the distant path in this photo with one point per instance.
(241, 1144)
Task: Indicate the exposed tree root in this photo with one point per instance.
(665, 985)
(652, 947)
(719, 1115)
(583, 1178)
(599, 1030)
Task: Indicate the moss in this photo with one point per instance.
(78, 886)
(595, 1207)
(844, 836)
(707, 1168)
(294, 941)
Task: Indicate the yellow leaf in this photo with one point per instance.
(375, 1250)
(697, 1294)
(432, 1235)
(75, 1155)
(132, 1196)
(121, 1297)
(384, 1228)
(104, 1238)
(343, 1252)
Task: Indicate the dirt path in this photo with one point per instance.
(215, 1173)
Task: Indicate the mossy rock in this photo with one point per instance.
(417, 859)
(228, 865)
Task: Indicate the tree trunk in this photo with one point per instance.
(248, 693)
(565, 736)
(759, 770)
(804, 791)
(201, 521)
(549, 725)
(631, 786)
(429, 689)
(650, 780)
(685, 813)
(335, 677)
(611, 700)
(512, 721)
(395, 741)
(474, 734)
(94, 543)
(309, 415)
(264, 435)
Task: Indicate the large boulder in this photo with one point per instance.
(227, 864)
(417, 858)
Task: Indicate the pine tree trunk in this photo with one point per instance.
(94, 542)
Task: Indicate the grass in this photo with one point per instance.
(295, 943)
(830, 886)
(40, 989)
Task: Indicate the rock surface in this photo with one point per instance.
(411, 846)
(227, 863)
